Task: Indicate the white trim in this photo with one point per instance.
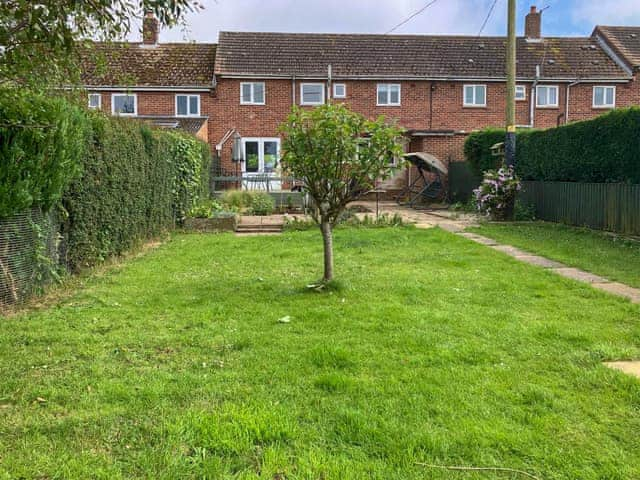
(124, 94)
(605, 105)
(426, 78)
(548, 105)
(523, 88)
(129, 88)
(344, 87)
(260, 141)
(253, 93)
(473, 86)
(388, 88)
(188, 114)
(94, 94)
(321, 85)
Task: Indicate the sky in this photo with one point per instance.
(561, 17)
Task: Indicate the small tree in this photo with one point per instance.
(339, 155)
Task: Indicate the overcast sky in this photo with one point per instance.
(562, 17)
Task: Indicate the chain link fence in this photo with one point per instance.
(31, 250)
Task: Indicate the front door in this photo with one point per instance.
(261, 163)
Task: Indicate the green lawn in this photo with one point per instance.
(434, 349)
(611, 256)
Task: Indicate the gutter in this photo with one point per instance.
(133, 88)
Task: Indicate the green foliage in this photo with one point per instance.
(206, 209)
(338, 154)
(237, 199)
(496, 195)
(477, 150)
(523, 212)
(39, 39)
(261, 203)
(601, 150)
(41, 140)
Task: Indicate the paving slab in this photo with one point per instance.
(479, 239)
(621, 289)
(540, 261)
(509, 250)
(580, 275)
(630, 368)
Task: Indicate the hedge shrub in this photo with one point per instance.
(41, 139)
(120, 181)
(603, 150)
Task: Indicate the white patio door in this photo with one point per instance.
(261, 162)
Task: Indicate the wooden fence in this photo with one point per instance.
(613, 207)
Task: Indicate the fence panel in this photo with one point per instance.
(462, 182)
(29, 254)
(613, 207)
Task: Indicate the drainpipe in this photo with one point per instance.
(329, 81)
(566, 107)
(432, 87)
(532, 97)
(293, 90)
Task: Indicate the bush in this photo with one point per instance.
(477, 150)
(262, 203)
(496, 195)
(602, 150)
(41, 141)
(205, 209)
(237, 199)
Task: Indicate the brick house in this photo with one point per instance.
(439, 88)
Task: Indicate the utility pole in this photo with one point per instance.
(510, 140)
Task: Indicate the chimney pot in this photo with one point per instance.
(533, 24)
(150, 29)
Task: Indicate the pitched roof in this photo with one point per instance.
(188, 124)
(433, 56)
(625, 41)
(135, 64)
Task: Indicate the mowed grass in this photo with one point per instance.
(614, 257)
(431, 349)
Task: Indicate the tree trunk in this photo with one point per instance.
(327, 240)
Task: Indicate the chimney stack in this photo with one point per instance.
(533, 24)
(150, 29)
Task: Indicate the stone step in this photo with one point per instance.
(247, 228)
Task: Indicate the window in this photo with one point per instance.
(95, 100)
(388, 94)
(124, 104)
(252, 93)
(339, 90)
(475, 96)
(547, 96)
(311, 93)
(187, 105)
(521, 92)
(604, 97)
(261, 155)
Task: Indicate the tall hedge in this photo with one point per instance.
(603, 150)
(118, 181)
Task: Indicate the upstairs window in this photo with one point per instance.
(475, 96)
(339, 90)
(252, 93)
(95, 101)
(124, 104)
(604, 97)
(311, 93)
(388, 94)
(188, 105)
(547, 96)
(521, 92)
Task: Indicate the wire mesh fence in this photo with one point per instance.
(30, 254)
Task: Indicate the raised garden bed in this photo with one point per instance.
(218, 223)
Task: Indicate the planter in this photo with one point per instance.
(222, 223)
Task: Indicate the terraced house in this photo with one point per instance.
(439, 88)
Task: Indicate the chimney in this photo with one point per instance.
(533, 24)
(150, 29)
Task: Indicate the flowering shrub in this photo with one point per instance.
(496, 195)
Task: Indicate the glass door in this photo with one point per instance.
(261, 163)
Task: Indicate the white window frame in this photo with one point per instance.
(388, 87)
(322, 88)
(474, 86)
(189, 96)
(604, 96)
(135, 104)
(523, 89)
(344, 90)
(548, 105)
(253, 93)
(260, 141)
(94, 94)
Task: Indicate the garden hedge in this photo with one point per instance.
(118, 181)
(603, 150)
